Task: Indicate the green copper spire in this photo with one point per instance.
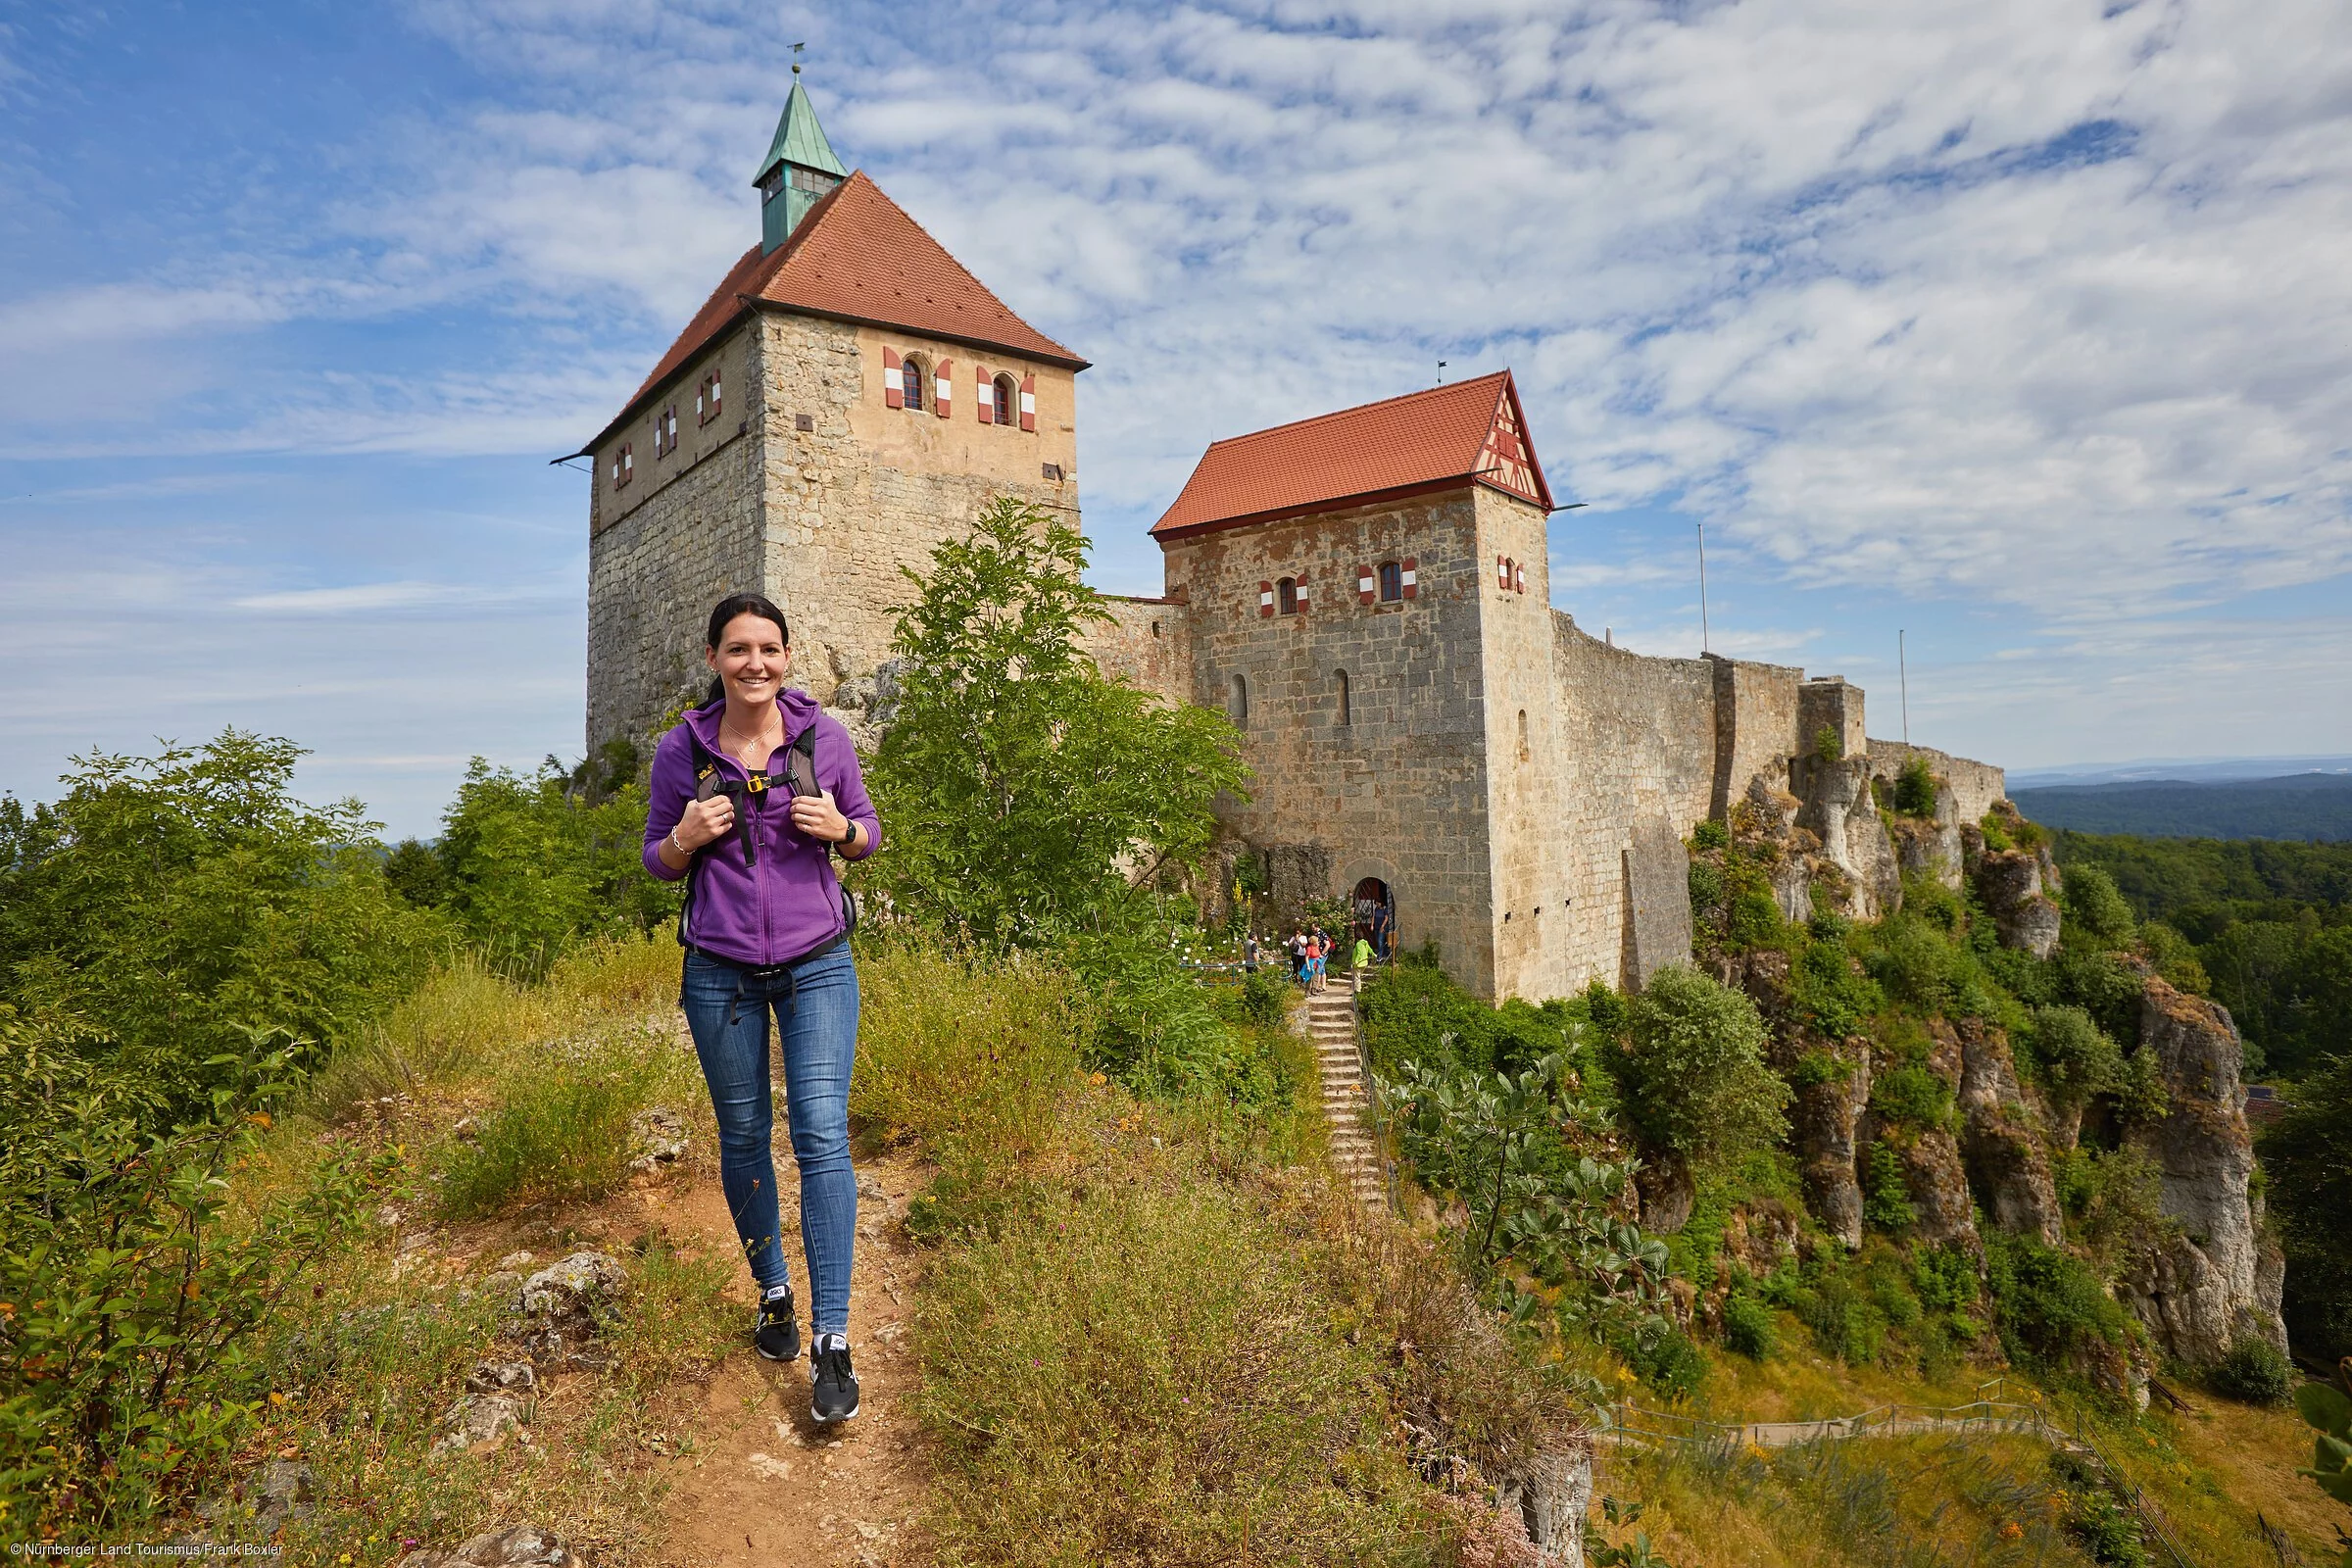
(798, 170)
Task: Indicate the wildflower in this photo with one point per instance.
(2011, 1529)
(276, 1397)
(1097, 1079)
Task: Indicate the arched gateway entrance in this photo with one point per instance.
(1375, 909)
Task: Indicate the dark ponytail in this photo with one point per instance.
(725, 610)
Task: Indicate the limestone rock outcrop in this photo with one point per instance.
(2215, 1283)
(2011, 883)
(1823, 1121)
(1840, 809)
(2003, 1147)
(1931, 848)
(1936, 1183)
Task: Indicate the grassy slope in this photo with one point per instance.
(2208, 1472)
(1148, 1332)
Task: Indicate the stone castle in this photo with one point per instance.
(1366, 592)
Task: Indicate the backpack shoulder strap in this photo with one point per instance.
(705, 767)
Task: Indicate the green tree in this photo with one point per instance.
(2096, 908)
(1020, 789)
(2308, 1153)
(165, 905)
(534, 862)
(1695, 1083)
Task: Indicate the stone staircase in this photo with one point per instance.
(1330, 1025)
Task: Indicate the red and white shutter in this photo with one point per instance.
(1302, 593)
(1265, 599)
(1366, 590)
(984, 395)
(1028, 402)
(943, 386)
(1519, 577)
(1503, 572)
(894, 395)
(716, 394)
(1412, 589)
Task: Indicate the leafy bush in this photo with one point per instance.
(1828, 745)
(1693, 1074)
(1019, 785)
(1912, 1097)
(1668, 1362)
(2049, 1307)
(1706, 888)
(2096, 908)
(1265, 999)
(1157, 1029)
(130, 1297)
(1710, 835)
(534, 864)
(1749, 1329)
(1886, 1199)
(2254, 1372)
(2071, 1056)
(2108, 1532)
(1915, 789)
(1916, 965)
(1830, 990)
(171, 904)
(2173, 958)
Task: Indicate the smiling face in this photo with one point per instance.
(752, 658)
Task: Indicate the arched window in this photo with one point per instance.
(914, 378)
(1286, 595)
(1523, 735)
(1008, 401)
(1392, 582)
(1239, 706)
(1347, 714)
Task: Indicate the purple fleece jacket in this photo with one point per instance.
(790, 903)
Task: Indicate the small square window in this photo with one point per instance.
(804, 422)
(1051, 470)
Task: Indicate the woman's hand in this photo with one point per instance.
(817, 816)
(704, 822)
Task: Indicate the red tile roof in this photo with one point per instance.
(1421, 440)
(858, 257)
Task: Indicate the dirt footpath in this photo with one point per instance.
(764, 1484)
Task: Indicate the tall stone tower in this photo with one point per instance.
(849, 395)
(1364, 593)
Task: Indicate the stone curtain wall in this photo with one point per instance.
(1636, 741)
(661, 549)
(1756, 725)
(1401, 791)
(1147, 643)
(1972, 787)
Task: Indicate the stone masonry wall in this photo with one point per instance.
(1634, 741)
(661, 549)
(1974, 786)
(821, 520)
(1756, 725)
(1149, 643)
(1394, 787)
(870, 489)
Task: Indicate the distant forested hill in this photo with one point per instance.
(2305, 805)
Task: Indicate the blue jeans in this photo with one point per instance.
(816, 1014)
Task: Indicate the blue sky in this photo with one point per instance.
(2023, 327)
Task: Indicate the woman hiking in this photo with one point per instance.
(753, 794)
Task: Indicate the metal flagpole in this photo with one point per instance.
(1703, 645)
(1902, 663)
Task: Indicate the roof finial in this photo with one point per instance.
(796, 56)
(1441, 372)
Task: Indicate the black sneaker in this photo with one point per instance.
(832, 1386)
(778, 1334)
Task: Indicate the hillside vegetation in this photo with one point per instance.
(298, 1122)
